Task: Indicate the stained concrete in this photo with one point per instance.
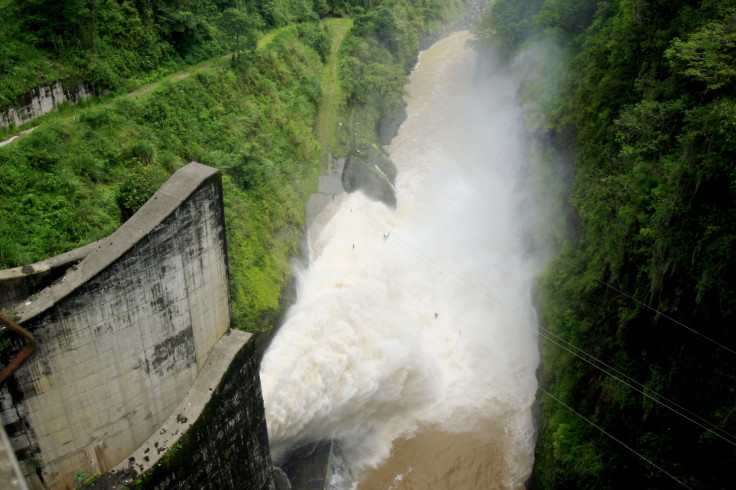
(188, 411)
(330, 187)
(122, 337)
(22, 282)
(227, 446)
(41, 101)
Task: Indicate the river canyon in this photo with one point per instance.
(413, 340)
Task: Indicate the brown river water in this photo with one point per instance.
(413, 340)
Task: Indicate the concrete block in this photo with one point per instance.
(116, 341)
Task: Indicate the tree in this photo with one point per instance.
(60, 24)
(707, 54)
(321, 7)
(237, 23)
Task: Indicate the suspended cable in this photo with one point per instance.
(482, 347)
(587, 274)
(712, 428)
(612, 437)
(658, 312)
(643, 392)
(715, 429)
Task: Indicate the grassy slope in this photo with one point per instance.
(332, 95)
(60, 184)
(68, 110)
(645, 109)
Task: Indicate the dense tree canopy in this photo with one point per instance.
(647, 284)
(106, 43)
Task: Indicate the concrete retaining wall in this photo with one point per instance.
(42, 100)
(122, 337)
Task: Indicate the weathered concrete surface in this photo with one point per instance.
(330, 186)
(122, 337)
(40, 101)
(191, 407)
(227, 446)
(21, 282)
(151, 215)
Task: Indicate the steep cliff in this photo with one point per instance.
(638, 350)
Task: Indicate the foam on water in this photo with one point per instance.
(419, 316)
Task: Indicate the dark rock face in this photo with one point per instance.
(318, 466)
(280, 479)
(388, 125)
(368, 168)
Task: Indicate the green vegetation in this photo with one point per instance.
(118, 45)
(251, 111)
(328, 124)
(646, 108)
(375, 59)
(73, 179)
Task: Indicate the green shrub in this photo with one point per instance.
(138, 185)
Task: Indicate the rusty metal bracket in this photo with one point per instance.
(24, 354)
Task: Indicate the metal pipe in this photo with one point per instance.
(24, 354)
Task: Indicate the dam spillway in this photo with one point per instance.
(414, 326)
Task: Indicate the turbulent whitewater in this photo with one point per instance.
(415, 324)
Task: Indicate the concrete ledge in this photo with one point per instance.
(123, 335)
(164, 202)
(19, 283)
(190, 408)
(225, 447)
(46, 265)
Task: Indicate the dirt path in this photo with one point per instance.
(174, 77)
(171, 78)
(15, 137)
(263, 41)
(327, 121)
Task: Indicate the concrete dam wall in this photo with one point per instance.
(124, 335)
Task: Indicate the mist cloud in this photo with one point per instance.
(421, 316)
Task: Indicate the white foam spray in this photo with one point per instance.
(420, 316)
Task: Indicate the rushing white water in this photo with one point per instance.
(420, 318)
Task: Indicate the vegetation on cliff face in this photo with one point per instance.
(646, 107)
(250, 113)
(376, 57)
(73, 179)
(116, 45)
